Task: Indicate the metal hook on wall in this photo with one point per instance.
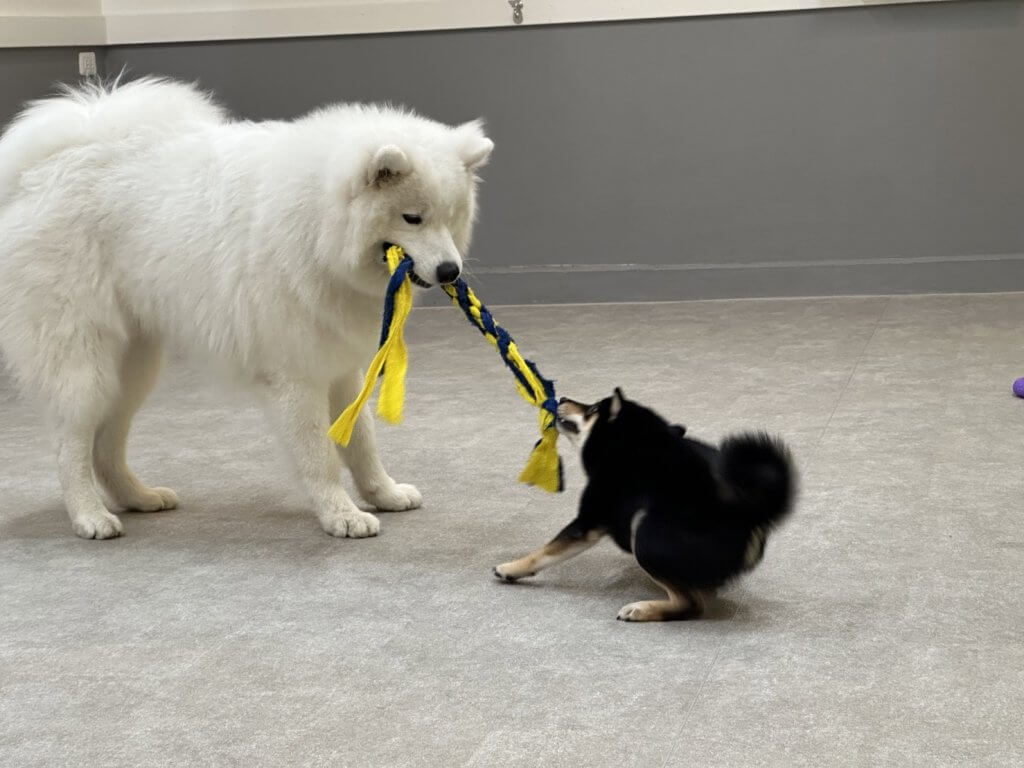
(517, 11)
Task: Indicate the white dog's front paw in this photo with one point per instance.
(395, 497)
(151, 500)
(96, 524)
(351, 523)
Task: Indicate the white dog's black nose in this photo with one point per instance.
(448, 272)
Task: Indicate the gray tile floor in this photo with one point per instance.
(885, 626)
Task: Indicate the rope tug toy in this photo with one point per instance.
(544, 468)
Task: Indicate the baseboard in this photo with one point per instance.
(582, 283)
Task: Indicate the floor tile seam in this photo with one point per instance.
(669, 753)
(849, 378)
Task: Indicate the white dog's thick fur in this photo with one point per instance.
(140, 215)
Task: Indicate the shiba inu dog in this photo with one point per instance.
(694, 516)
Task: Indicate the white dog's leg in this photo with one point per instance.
(78, 376)
(362, 457)
(86, 390)
(139, 369)
(300, 415)
(89, 518)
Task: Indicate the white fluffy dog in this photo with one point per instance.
(140, 215)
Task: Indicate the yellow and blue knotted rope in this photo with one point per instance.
(544, 468)
(392, 358)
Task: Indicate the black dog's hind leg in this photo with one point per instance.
(655, 549)
(576, 537)
(681, 604)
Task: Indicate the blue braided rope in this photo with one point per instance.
(487, 325)
(551, 403)
(397, 277)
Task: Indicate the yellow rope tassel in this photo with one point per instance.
(544, 468)
(392, 358)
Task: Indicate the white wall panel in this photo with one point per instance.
(120, 22)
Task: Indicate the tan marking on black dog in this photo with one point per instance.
(681, 604)
(561, 548)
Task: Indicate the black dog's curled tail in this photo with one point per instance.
(758, 476)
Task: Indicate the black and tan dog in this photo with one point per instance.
(693, 515)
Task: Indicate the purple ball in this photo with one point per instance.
(1018, 387)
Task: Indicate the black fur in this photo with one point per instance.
(705, 512)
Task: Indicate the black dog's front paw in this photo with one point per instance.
(507, 574)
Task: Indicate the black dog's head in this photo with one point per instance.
(615, 432)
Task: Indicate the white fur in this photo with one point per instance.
(140, 215)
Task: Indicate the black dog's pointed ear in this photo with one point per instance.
(617, 400)
(678, 430)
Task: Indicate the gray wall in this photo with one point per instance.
(847, 151)
(28, 73)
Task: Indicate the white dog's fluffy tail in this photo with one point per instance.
(92, 112)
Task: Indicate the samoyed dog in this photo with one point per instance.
(137, 216)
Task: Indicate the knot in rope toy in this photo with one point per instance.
(544, 468)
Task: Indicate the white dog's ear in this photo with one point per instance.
(388, 164)
(617, 400)
(473, 147)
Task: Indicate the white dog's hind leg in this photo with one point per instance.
(85, 388)
(72, 340)
(139, 369)
(300, 415)
(363, 459)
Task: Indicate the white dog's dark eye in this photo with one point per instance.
(412, 218)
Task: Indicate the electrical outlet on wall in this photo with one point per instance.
(87, 64)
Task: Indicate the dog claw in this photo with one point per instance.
(504, 577)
